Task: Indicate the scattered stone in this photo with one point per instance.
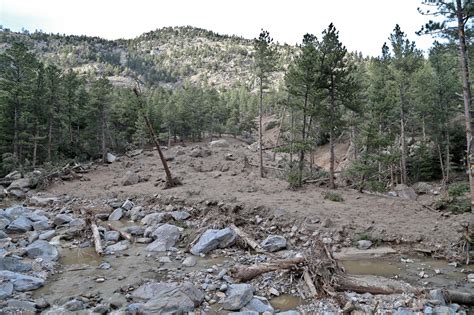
(153, 218)
(77, 222)
(437, 295)
(112, 236)
(3, 235)
(61, 219)
(4, 222)
(364, 244)
(20, 225)
(189, 261)
(41, 225)
(21, 282)
(130, 179)
(102, 309)
(6, 290)
(135, 230)
(289, 313)
(212, 239)
(180, 215)
(136, 213)
(105, 266)
(13, 264)
(259, 304)
(273, 243)
(24, 306)
(238, 295)
(116, 215)
(128, 205)
(74, 305)
(46, 236)
(100, 280)
(110, 158)
(165, 237)
(42, 249)
(135, 309)
(274, 292)
(118, 247)
(470, 277)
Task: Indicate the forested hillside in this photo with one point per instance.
(70, 97)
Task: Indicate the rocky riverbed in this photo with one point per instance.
(162, 255)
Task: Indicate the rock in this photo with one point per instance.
(118, 247)
(221, 143)
(20, 225)
(37, 216)
(274, 292)
(136, 213)
(105, 266)
(17, 211)
(43, 201)
(42, 249)
(74, 305)
(212, 239)
(77, 222)
(196, 152)
(21, 183)
(364, 244)
(259, 304)
(289, 313)
(13, 175)
(442, 310)
(17, 193)
(470, 277)
(180, 215)
(135, 230)
(405, 192)
(112, 236)
(2, 192)
(167, 298)
(128, 205)
(41, 225)
(3, 235)
(135, 309)
(116, 215)
(237, 296)
(102, 309)
(21, 282)
(165, 237)
(25, 306)
(4, 222)
(130, 178)
(273, 243)
(437, 295)
(13, 264)
(153, 218)
(61, 219)
(6, 290)
(243, 313)
(110, 158)
(189, 261)
(47, 235)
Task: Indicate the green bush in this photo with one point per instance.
(458, 189)
(333, 196)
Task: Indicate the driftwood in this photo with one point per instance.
(310, 283)
(459, 297)
(248, 240)
(125, 235)
(246, 273)
(96, 235)
(373, 285)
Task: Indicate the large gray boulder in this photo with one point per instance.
(169, 298)
(42, 249)
(110, 158)
(13, 264)
(21, 282)
(165, 237)
(20, 225)
(116, 215)
(130, 178)
(118, 247)
(273, 243)
(212, 239)
(237, 296)
(16, 211)
(41, 225)
(61, 219)
(6, 290)
(21, 183)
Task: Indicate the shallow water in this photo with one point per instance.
(286, 302)
(79, 256)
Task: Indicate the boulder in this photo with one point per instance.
(273, 243)
(259, 304)
(212, 239)
(4, 222)
(47, 235)
(135, 309)
(405, 192)
(116, 215)
(189, 261)
(165, 237)
(3, 235)
(118, 247)
(77, 222)
(17, 193)
(136, 213)
(21, 183)
(166, 298)
(130, 178)
(237, 296)
(112, 236)
(14, 264)
(135, 230)
(41, 225)
(128, 205)
(16, 211)
(6, 290)
(42, 249)
(13, 175)
(61, 219)
(196, 152)
(153, 218)
(20, 225)
(36, 216)
(21, 282)
(364, 244)
(291, 312)
(180, 215)
(110, 158)
(74, 305)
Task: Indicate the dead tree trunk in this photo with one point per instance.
(246, 273)
(260, 129)
(170, 181)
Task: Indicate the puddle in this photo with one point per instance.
(286, 302)
(375, 267)
(79, 256)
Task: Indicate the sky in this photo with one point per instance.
(364, 25)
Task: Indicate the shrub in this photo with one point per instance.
(333, 196)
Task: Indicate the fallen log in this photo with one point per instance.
(96, 235)
(246, 273)
(373, 285)
(310, 283)
(459, 297)
(125, 235)
(247, 239)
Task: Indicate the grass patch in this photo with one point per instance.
(333, 196)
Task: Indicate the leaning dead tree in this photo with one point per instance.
(170, 181)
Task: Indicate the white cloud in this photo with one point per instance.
(364, 25)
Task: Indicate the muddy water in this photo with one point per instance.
(286, 302)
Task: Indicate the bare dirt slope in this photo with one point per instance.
(213, 177)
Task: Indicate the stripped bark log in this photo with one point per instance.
(125, 235)
(245, 273)
(459, 297)
(373, 285)
(247, 239)
(310, 283)
(97, 242)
